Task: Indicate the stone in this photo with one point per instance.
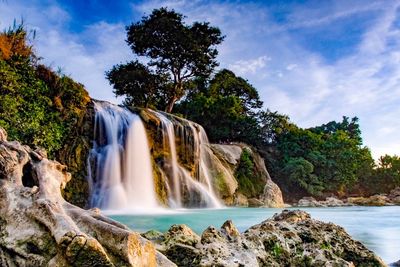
(253, 202)
(3, 135)
(290, 238)
(272, 196)
(39, 228)
(375, 200)
(309, 202)
(240, 200)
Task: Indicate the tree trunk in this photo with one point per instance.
(171, 104)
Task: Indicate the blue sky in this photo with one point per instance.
(312, 60)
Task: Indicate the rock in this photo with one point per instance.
(272, 196)
(39, 228)
(228, 156)
(375, 200)
(290, 238)
(328, 202)
(3, 135)
(240, 200)
(180, 233)
(253, 202)
(154, 236)
(334, 202)
(309, 202)
(394, 195)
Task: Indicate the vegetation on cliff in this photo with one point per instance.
(43, 108)
(38, 106)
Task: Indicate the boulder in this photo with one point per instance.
(290, 238)
(39, 228)
(309, 202)
(375, 200)
(253, 202)
(228, 157)
(272, 196)
(394, 195)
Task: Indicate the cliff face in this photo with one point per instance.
(247, 182)
(39, 228)
(234, 182)
(75, 154)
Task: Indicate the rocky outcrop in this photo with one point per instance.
(74, 154)
(376, 200)
(290, 238)
(39, 228)
(394, 197)
(229, 156)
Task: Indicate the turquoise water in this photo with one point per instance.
(376, 227)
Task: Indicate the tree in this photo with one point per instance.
(226, 83)
(139, 84)
(226, 107)
(177, 51)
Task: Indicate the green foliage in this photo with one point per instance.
(225, 107)
(37, 106)
(177, 52)
(140, 86)
(322, 159)
(301, 172)
(249, 180)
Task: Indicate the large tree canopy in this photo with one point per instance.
(176, 51)
(225, 107)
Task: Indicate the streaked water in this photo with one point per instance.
(376, 227)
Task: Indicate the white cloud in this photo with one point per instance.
(293, 80)
(85, 56)
(243, 67)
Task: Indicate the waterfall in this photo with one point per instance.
(120, 170)
(199, 191)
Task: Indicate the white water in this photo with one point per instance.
(120, 168)
(200, 191)
(122, 177)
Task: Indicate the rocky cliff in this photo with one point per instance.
(224, 162)
(254, 188)
(247, 182)
(39, 228)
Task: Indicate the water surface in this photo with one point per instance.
(376, 227)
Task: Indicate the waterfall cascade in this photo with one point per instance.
(120, 171)
(199, 188)
(120, 164)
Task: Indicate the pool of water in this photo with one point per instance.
(376, 227)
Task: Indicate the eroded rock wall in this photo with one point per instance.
(39, 228)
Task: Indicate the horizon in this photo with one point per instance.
(300, 55)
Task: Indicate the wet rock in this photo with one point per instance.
(253, 202)
(290, 238)
(39, 228)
